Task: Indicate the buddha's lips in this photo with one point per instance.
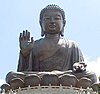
(52, 26)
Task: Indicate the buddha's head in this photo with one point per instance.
(52, 20)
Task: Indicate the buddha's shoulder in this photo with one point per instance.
(70, 42)
(39, 41)
(62, 40)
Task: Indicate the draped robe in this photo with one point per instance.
(51, 54)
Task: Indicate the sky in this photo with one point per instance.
(83, 26)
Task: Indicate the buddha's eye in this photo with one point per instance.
(47, 18)
(57, 18)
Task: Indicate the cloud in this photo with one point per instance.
(93, 65)
(2, 81)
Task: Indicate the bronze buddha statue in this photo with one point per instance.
(51, 54)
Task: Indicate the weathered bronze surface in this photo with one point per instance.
(52, 52)
(51, 57)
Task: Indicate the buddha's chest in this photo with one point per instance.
(47, 49)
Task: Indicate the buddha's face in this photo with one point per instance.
(52, 22)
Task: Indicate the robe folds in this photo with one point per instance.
(50, 54)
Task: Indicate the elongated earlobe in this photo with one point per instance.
(64, 22)
(42, 32)
(62, 32)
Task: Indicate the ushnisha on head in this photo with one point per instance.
(56, 9)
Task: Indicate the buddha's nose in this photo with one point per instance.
(52, 19)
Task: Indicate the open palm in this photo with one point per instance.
(26, 44)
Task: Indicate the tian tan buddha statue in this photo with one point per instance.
(51, 59)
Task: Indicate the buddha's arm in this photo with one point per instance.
(26, 46)
(23, 62)
(77, 54)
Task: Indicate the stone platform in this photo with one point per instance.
(50, 90)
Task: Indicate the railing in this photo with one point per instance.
(50, 90)
(99, 89)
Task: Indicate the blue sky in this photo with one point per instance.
(83, 26)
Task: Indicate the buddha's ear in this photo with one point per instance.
(42, 31)
(40, 22)
(64, 22)
(62, 31)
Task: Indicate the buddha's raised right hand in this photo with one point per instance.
(25, 44)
